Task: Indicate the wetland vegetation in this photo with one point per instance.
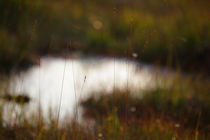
(172, 35)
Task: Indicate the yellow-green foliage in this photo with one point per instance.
(159, 30)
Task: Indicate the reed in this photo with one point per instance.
(61, 93)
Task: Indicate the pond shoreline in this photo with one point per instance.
(35, 60)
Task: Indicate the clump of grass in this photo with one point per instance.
(21, 99)
(179, 106)
(177, 112)
(34, 128)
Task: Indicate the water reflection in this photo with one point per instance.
(78, 78)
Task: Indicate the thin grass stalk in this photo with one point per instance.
(73, 78)
(197, 126)
(75, 92)
(127, 69)
(81, 94)
(39, 95)
(39, 90)
(115, 14)
(114, 75)
(81, 90)
(76, 98)
(61, 93)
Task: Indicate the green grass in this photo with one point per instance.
(162, 32)
(170, 33)
(179, 111)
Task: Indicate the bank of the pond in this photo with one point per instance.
(178, 112)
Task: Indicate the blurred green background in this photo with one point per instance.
(173, 33)
(170, 33)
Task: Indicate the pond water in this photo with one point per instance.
(70, 80)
